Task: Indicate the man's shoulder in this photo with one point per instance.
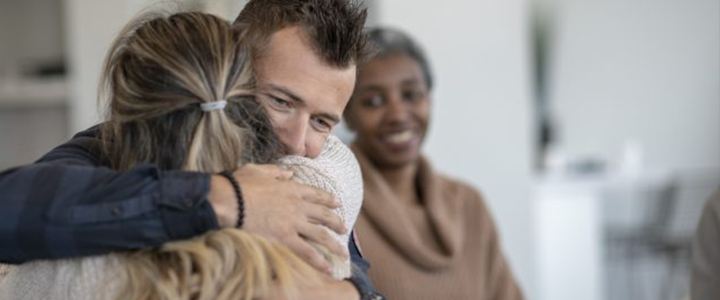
(458, 187)
(84, 145)
(92, 132)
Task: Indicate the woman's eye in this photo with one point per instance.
(412, 95)
(373, 101)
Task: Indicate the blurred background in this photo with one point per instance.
(591, 126)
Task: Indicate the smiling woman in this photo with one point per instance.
(427, 236)
(390, 110)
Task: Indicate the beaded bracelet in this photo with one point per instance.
(238, 194)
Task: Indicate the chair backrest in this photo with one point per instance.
(661, 205)
(694, 189)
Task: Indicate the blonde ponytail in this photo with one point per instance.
(160, 73)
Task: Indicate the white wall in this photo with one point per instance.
(642, 70)
(481, 122)
(91, 26)
(31, 35)
(647, 70)
(27, 132)
(25, 39)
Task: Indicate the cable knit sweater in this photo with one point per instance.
(446, 247)
(336, 171)
(96, 278)
(92, 278)
(4, 269)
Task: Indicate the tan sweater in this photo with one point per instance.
(445, 248)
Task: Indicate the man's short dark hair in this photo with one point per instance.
(334, 27)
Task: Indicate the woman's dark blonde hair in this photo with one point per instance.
(158, 72)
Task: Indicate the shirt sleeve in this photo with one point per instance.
(359, 277)
(68, 205)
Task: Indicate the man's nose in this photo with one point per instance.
(294, 138)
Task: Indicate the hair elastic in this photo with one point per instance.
(215, 105)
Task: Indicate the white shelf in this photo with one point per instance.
(23, 93)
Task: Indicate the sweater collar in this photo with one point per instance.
(390, 218)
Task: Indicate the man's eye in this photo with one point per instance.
(321, 124)
(280, 102)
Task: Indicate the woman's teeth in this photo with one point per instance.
(400, 137)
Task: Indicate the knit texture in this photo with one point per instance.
(91, 278)
(336, 171)
(445, 247)
(98, 278)
(4, 269)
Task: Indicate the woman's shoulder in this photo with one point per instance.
(462, 190)
(459, 186)
(79, 278)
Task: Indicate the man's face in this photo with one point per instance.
(304, 97)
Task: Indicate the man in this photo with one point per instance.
(68, 204)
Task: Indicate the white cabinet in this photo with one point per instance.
(33, 84)
(40, 112)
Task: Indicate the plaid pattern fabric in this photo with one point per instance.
(68, 205)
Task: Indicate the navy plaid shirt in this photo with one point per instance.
(69, 204)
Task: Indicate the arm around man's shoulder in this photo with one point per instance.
(68, 204)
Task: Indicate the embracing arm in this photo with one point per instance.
(67, 205)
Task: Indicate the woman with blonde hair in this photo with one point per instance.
(180, 97)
